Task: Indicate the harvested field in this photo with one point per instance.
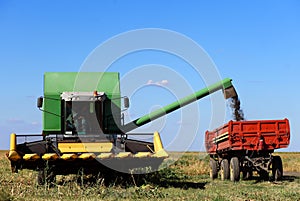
(185, 179)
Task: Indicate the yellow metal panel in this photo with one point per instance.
(31, 157)
(68, 156)
(85, 147)
(123, 154)
(157, 142)
(13, 142)
(50, 156)
(105, 155)
(87, 156)
(13, 156)
(142, 154)
(161, 154)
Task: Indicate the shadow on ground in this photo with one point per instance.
(182, 184)
(289, 177)
(126, 180)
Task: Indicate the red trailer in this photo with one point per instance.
(247, 146)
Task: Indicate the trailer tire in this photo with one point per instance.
(277, 169)
(224, 170)
(234, 169)
(213, 173)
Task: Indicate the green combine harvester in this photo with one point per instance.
(84, 128)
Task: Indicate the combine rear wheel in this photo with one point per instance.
(277, 169)
(213, 168)
(234, 169)
(224, 170)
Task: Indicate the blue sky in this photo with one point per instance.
(256, 43)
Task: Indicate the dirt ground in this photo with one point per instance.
(291, 174)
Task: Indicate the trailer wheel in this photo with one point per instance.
(234, 169)
(224, 170)
(213, 173)
(277, 169)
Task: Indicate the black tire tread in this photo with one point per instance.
(234, 169)
(213, 168)
(277, 168)
(225, 173)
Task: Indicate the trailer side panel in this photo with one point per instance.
(249, 135)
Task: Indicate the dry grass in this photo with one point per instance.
(291, 161)
(193, 163)
(185, 179)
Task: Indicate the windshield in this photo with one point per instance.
(82, 117)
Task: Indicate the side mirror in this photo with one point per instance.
(40, 102)
(126, 102)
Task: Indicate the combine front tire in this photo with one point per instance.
(234, 169)
(224, 170)
(213, 168)
(277, 169)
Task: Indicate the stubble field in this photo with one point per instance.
(186, 179)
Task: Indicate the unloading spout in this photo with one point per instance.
(224, 85)
(229, 92)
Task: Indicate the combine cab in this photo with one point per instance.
(84, 129)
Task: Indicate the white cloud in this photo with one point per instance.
(164, 82)
(150, 82)
(158, 83)
(15, 121)
(35, 123)
(180, 122)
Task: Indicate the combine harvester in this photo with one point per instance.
(84, 129)
(247, 146)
